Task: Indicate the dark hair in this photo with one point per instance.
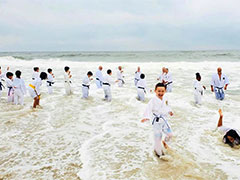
(66, 68)
(43, 75)
(160, 85)
(142, 76)
(109, 71)
(18, 73)
(36, 68)
(233, 134)
(90, 73)
(9, 74)
(49, 70)
(198, 75)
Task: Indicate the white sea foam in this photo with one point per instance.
(72, 138)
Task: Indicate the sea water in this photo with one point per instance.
(73, 138)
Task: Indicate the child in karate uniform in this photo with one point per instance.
(19, 89)
(198, 89)
(86, 84)
(50, 81)
(141, 88)
(158, 110)
(34, 89)
(2, 77)
(107, 82)
(35, 74)
(67, 81)
(9, 84)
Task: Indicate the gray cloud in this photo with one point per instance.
(119, 25)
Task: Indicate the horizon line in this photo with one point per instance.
(45, 51)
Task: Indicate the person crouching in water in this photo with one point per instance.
(231, 136)
(50, 81)
(141, 88)
(158, 110)
(19, 88)
(86, 84)
(34, 88)
(198, 89)
(9, 84)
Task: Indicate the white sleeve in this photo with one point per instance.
(148, 111)
(170, 78)
(168, 108)
(212, 81)
(110, 79)
(160, 78)
(226, 80)
(23, 87)
(118, 75)
(145, 86)
(223, 129)
(37, 88)
(65, 77)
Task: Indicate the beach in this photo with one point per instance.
(75, 138)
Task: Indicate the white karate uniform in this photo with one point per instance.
(10, 91)
(85, 86)
(19, 91)
(107, 82)
(223, 130)
(219, 84)
(34, 88)
(162, 77)
(120, 78)
(158, 108)
(50, 83)
(198, 92)
(67, 84)
(2, 76)
(141, 89)
(99, 78)
(1, 88)
(137, 77)
(35, 75)
(168, 81)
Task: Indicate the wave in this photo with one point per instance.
(154, 56)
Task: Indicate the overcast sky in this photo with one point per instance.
(118, 25)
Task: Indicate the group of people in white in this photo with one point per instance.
(157, 108)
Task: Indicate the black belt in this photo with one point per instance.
(219, 87)
(122, 81)
(68, 81)
(1, 85)
(169, 83)
(142, 88)
(98, 79)
(106, 84)
(50, 83)
(9, 90)
(137, 79)
(85, 85)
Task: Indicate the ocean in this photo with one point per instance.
(73, 138)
